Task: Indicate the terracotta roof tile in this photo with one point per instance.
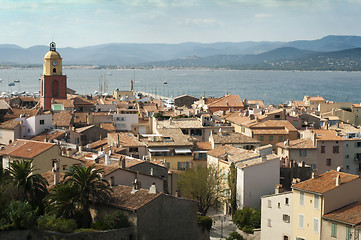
(233, 137)
(349, 214)
(11, 124)
(49, 135)
(227, 101)
(303, 143)
(125, 139)
(125, 197)
(62, 119)
(26, 148)
(324, 182)
(327, 135)
(203, 146)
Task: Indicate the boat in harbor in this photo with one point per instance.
(11, 84)
(17, 81)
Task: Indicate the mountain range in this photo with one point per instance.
(327, 53)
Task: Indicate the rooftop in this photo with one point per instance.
(302, 143)
(324, 182)
(233, 137)
(125, 197)
(28, 149)
(349, 214)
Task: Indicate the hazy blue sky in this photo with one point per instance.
(76, 23)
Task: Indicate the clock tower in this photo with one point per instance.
(53, 82)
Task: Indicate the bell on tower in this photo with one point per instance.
(52, 46)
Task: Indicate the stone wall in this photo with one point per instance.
(116, 234)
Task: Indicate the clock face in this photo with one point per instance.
(54, 63)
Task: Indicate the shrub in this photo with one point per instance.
(120, 220)
(112, 221)
(247, 217)
(85, 230)
(21, 215)
(101, 225)
(235, 236)
(247, 229)
(205, 222)
(50, 222)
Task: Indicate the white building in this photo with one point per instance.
(123, 122)
(276, 215)
(36, 124)
(257, 177)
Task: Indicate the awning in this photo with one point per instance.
(158, 149)
(182, 150)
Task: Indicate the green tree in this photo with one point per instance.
(203, 185)
(30, 187)
(62, 200)
(88, 186)
(232, 182)
(235, 236)
(247, 219)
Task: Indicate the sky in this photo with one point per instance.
(79, 23)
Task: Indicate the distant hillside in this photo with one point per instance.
(220, 54)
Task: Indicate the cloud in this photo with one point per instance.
(275, 3)
(262, 15)
(203, 22)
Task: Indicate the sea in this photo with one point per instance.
(273, 87)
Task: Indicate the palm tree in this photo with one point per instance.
(31, 187)
(61, 201)
(89, 186)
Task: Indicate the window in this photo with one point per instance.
(347, 156)
(328, 162)
(261, 138)
(301, 221)
(183, 165)
(286, 201)
(286, 218)
(279, 205)
(323, 149)
(280, 138)
(334, 230)
(269, 222)
(316, 202)
(277, 116)
(315, 225)
(42, 122)
(269, 204)
(348, 233)
(336, 149)
(270, 138)
(54, 70)
(133, 149)
(303, 152)
(285, 237)
(357, 144)
(302, 198)
(299, 238)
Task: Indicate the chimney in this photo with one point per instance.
(278, 188)
(106, 159)
(338, 180)
(111, 181)
(153, 188)
(56, 172)
(122, 162)
(151, 171)
(314, 174)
